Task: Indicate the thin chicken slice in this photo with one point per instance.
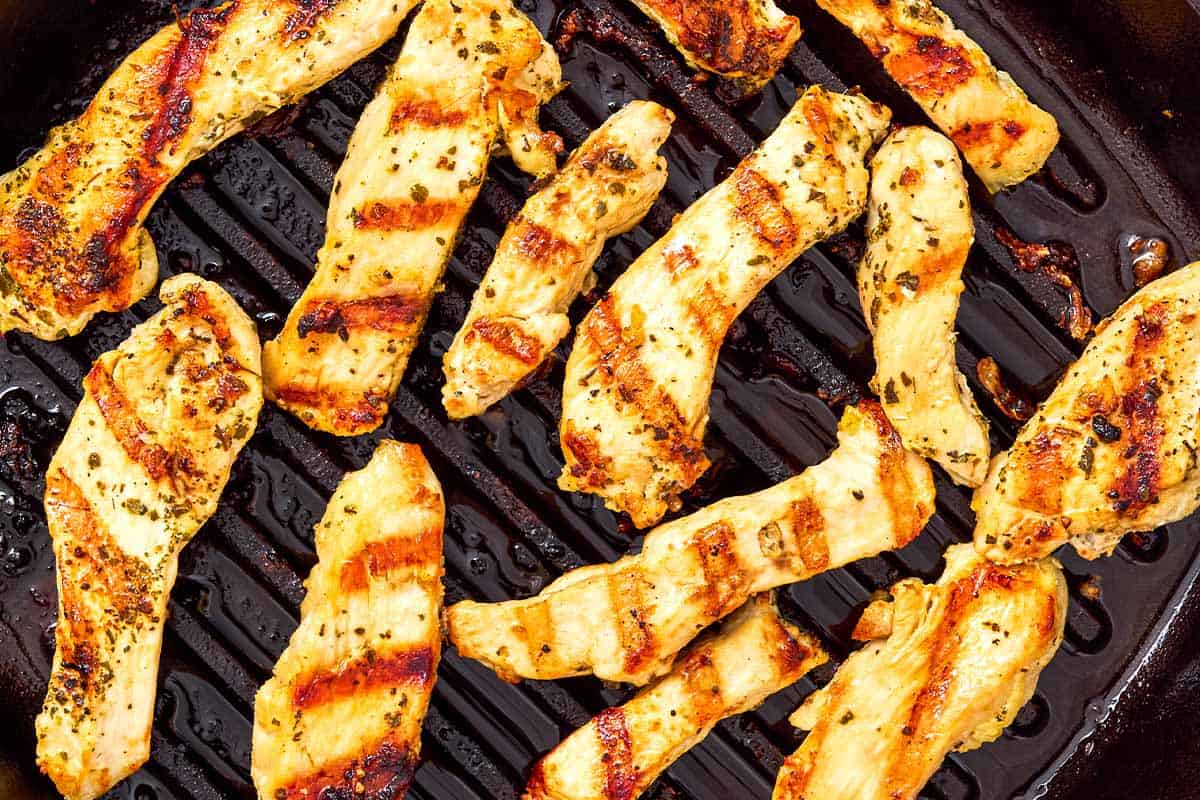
(626, 621)
(755, 654)
(342, 715)
(919, 231)
(743, 40)
(1003, 135)
(1113, 449)
(544, 260)
(635, 399)
(139, 470)
(469, 80)
(947, 667)
(71, 235)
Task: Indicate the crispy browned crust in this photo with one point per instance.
(71, 236)
(732, 38)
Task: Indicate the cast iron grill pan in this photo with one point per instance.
(251, 216)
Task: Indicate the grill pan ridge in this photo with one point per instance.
(251, 216)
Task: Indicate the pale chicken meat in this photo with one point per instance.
(1113, 449)
(545, 258)
(469, 81)
(1004, 136)
(342, 715)
(627, 620)
(743, 40)
(919, 231)
(139, 470)
(635, 398)
(624, 749)
(71, 235)
(946, 668)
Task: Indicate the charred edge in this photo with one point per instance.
(404, 668)
(808, 527)
(308, 13)
(386, 313)
(198, 32)
(412, 111)
(620, 773)
(195, 301)
(379, 559)
(363, 412)
(724, 580)
(726, 36)
(122, 420)
(404, 215)
(383, 773)
(1137, 486)
(591, 466)
(930, 67)
(1045, 469)
(507, 338)
(759, 206)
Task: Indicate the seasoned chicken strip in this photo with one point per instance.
(626, 621)
(948, 667)
(919, 231)
(342, 715)
(635, 399)
(1113, 449)
(71, 235)
(544, 260)
(471, 77)
(1003, 135)
(755, 654)
(744, 40)
(138, 472)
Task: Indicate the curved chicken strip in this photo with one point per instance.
(544, 260)
(342, 715)
(1004, 137)
(626, 621)
(744, 40)
(635, 399)
(71, 236)
(470, 77)
(919, 231)
(624, 749)
(138, 472)
(1113, 449)
(948, 668)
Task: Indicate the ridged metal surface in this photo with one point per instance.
(251, 216)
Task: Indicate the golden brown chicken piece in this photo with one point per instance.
(342, 715)
(1113, 449)
(919, 231)
(626, 621)
(947, 667)
(138, 472)
(1003, 135)
(624, 749)
(744, 40)
(635, 399)
(469, 80)
(544, 260)
(71, 235)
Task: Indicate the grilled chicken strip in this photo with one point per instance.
(71, 235)
(635, 399)
(755, 654)
(744, 40)
(138, 472)
(626, 621)
(544, 260)
(342, 715)
(1113, 449)
(470, 78)
(919, 231)
(1003, 135)
(948, 666)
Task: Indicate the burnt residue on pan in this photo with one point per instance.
(251, 216)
